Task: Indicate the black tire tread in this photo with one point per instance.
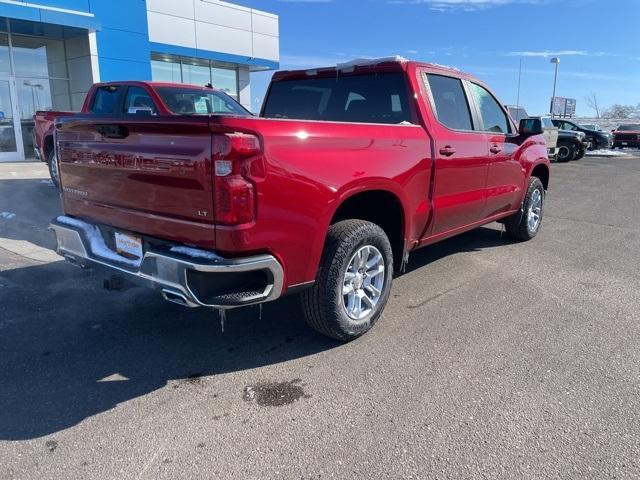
(338, 244)
(516, 225)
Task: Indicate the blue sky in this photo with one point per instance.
(599, 47)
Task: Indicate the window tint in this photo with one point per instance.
(107, 99)
(493, 117)
(381, 98)
(138, 98)
(452, 109)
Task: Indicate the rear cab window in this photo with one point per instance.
(361, 98)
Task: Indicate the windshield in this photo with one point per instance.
(589, 126)
(185, 101)
(628, 128)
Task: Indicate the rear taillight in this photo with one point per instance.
(235, 194)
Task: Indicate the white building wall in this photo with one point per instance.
(214, 25)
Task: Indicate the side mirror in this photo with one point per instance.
(530, 126)
(146, 111)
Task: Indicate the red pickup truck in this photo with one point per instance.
(145, 98)
(346, 171)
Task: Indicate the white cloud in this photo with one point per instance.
(465, 5)
(548, 53)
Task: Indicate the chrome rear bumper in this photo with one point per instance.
(167, 271)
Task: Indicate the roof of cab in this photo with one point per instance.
(156, 84)
(365, 65)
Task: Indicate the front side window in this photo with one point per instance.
(450, 102)
(138, 98)
(107, 99)
(493, 117)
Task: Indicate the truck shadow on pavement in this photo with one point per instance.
(71, 350)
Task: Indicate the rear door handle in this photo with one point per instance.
(113, 131)
(447, 151)
(495, 149)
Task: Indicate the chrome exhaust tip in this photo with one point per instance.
(178, 298)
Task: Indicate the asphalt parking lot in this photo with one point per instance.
(492, 360)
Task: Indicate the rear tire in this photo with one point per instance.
(353, 281)
(54, 173)
(566, 153)
(525, 224)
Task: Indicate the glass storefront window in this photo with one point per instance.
(165, 71)
(226, 80)
(166, 68)
(36, 56)
(5, 61)
(196, 74)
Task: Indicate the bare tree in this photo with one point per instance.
(592, 102)
(620, 111)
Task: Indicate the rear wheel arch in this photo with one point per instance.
(381, 207)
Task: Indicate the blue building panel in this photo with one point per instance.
(69, 20)
(113, 70)
(77, 5)
(123, 45)
(127, 15)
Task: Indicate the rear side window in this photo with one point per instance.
(138, 98)
(493, 117)
(371, 98)
(107, 99)
(450, 102)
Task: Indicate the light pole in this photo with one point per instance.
(556, 61)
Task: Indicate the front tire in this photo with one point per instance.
(566, 153)
(525, 224)
(353, 282)
(54, 172)
(579, 154)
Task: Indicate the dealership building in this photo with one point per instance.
(52, 51)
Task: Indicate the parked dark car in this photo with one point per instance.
(627, 136)
(596, 138)
(571, 145)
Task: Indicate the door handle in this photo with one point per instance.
(447, 151)
(113, 131)
(495, 149)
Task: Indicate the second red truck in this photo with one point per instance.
(346, 171)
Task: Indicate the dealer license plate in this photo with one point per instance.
(128, 246)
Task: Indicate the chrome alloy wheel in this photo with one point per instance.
(563, 152)
(535, 211)
(363, 282)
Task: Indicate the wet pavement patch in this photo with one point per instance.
(275, 394)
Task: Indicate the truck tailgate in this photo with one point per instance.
(148, 175)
